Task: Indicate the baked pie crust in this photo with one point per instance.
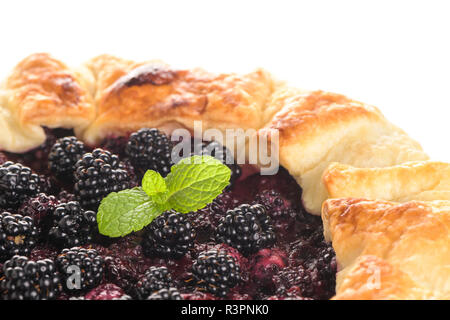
(370, 157)
(388, 250)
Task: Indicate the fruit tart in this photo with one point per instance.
(89, 183)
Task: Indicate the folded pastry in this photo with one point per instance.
(417, 180)
(317, 128)
(41, 91)
(411, 243)
(113, 96)
(372, 278)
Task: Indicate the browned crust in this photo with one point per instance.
(413, 237)
(43, 90)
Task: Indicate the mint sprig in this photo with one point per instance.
(191, 185)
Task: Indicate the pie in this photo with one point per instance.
(387, 211)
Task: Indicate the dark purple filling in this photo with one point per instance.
(299, 266)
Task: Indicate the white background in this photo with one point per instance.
(393, 54)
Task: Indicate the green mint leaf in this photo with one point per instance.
(154, 185)
(196, 181)
(121, 213)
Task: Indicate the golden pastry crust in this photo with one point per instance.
(413, 237)
(153, 94)
(416, 180)
(317, 128)
(372, 278)
(41, 91)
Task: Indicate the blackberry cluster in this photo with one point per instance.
(18, 235)
(246, 228)
(91, 266)
(221, 153)
(205, 221)
(307, 281)
(72, 225)
(17, 184)
(170, 235)
(166, 294)
(41, 209)
(315, 276)
(216, 271)
(97, 174)
(29, 280)
(154, 279)
(64, 155)
(277, 207)
(150, 149)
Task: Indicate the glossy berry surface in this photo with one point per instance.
(246, 228)
(150, 149)
(97, 174)
(72, 225)
(17, 184)
(18, 235)
(87, 264)
(40, 208)
(25, 279)
(216, 272)
(170, 235)
(63, 156)
(154, 279)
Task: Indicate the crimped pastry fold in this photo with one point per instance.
(410, 239)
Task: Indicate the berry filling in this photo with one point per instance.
(253, 241)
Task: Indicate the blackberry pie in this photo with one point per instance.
(93, 177)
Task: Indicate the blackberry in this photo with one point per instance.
(154, 279)
(72, 225)
(205, 221)
(64, 155)
(282, 212)
(30, 280)
(18, 235)
(308, 282)
(166, 294)
(17, 184)
(150, 149)
(170, 235)
(91, 266)
(277, 207)
(65, 196)
(98, 174)
(40, 208)
(221, 153)
(246, 228)
(216, 271)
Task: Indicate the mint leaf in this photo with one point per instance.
(155, 186)
(196, 181)
(121, 213)
(192, 184)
